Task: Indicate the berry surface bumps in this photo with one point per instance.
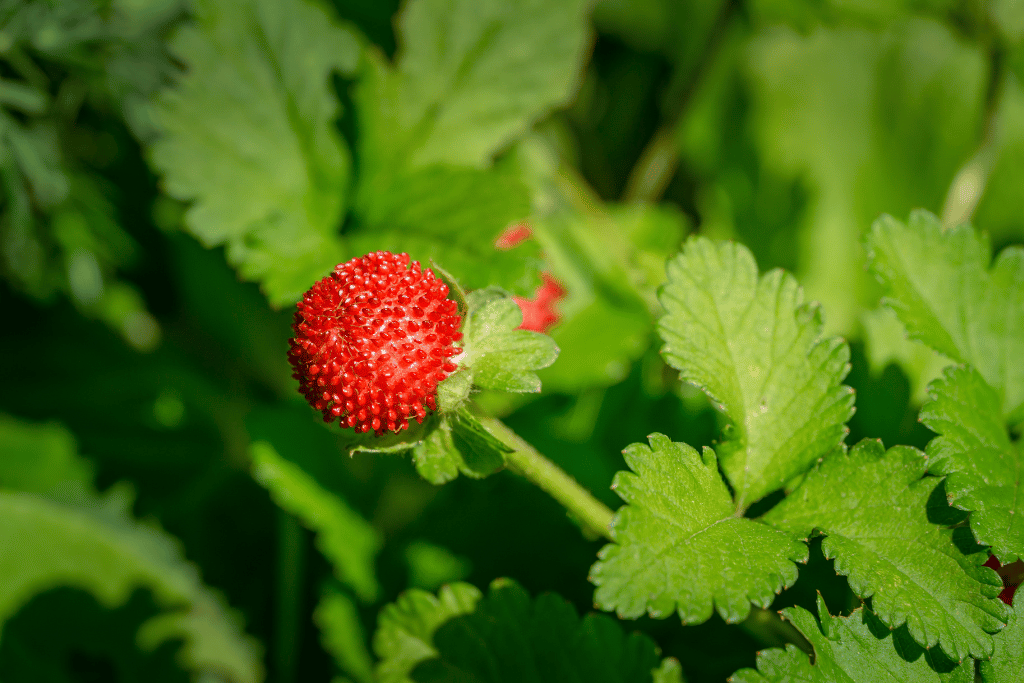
(372, 341)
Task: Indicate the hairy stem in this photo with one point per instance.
(592, 515)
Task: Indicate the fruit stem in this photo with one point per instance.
(593, 516)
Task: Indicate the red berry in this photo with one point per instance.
(372, 341)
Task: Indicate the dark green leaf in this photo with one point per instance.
(405, 628)
(509, 637)
(872, 507)
(853, 649)
(982, 464)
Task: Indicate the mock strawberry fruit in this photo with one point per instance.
(372, 341)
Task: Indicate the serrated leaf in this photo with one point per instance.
(509, 637)
(853, 649)
(757, 350)
(469, 78)
(1007, 662)
(498, 355)
(943, 290)
(106, 553)
(40, 458)
(872, 507)
(982, 465)
(254, 118)
(342, 535)
(341, 634)
(406, 627)
(678, 545)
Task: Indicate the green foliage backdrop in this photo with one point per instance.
(783, 242)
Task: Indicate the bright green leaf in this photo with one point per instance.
(982, 464)
(341, 634)
(342, 535)
(509, 637)
(941, 287)
(679, 546)
(1007, 663)
(405, 628)
(872, 507)
(853, 649)
(756, 349)
(431, 565)
(40, 458)
(470, 76)
(498, 355)
(248, 137)
(110, 555)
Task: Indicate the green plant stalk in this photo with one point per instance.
(592, 515)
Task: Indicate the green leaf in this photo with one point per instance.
(872, 506)
(342, 535)
(459, 443)
(982, 465)
(853, 649)
(757, 351)
(470, 77)
(509, 637)
(110, 555)
(678, 544)
(40, 458)
(431, 565)
(862, 117)
(452, 216)
(406, 627)
(498, 355)
(254, 118)
(1007, 663)
(941, 287)
(341, 634)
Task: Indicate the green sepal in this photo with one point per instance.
(499, 355)
(459, 443)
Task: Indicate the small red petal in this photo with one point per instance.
(513, 235)
(539, 313)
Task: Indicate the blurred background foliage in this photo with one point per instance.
(174, 174)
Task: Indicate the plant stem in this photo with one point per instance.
(592, 515)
